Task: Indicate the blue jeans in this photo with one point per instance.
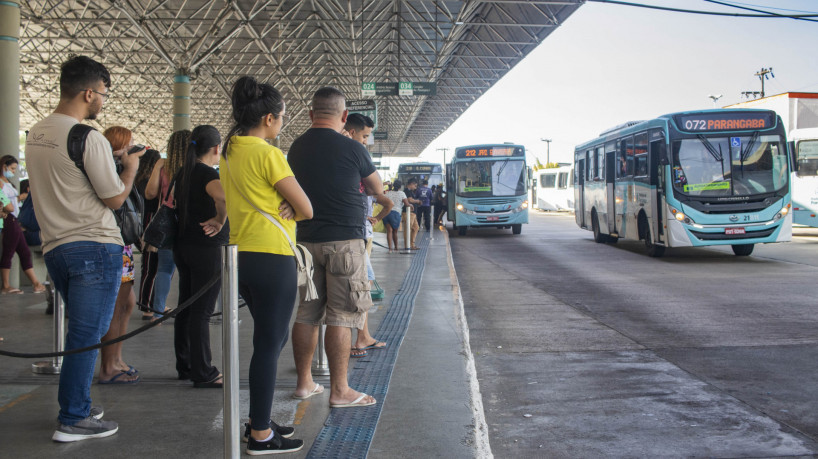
(164, 275)
(87, 275)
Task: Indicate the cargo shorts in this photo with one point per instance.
(342, 285)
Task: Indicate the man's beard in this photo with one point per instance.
(93, 112)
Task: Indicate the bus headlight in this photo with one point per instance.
(460, 207)
(680, 216)
(785, 210)
(525, 205)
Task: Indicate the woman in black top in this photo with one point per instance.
(150, 258)
(203, 230)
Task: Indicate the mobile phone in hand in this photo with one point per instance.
(136, 149)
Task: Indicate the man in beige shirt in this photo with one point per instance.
(81, 241)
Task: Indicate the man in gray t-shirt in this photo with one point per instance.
(81, 242)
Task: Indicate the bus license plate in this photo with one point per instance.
(492, 219)
(734, 231)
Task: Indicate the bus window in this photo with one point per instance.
(807, 154)
(563, 180)
(589, 166)
(641, 165)
(627, 149)
(548, 180)
(600, 164)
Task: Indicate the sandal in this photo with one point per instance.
(11, 291)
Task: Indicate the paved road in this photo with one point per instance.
(588, 350)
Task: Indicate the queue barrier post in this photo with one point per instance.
(53, 366)
(407, 230)
(320, 364)
(230, 351)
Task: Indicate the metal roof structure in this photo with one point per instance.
(297, 46)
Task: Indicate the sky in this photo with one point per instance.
(608, 64)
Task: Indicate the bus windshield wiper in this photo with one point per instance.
(752, 143)
(710, 148)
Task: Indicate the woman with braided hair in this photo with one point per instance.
(158, 187)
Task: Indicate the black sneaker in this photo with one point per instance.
(284, 431)
(276, 445)
(85, 429)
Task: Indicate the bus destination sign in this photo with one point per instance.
(419, 169)
(740, 121)
(487, 152)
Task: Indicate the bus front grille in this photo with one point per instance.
(729, 237)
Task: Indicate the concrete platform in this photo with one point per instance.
(431, 408)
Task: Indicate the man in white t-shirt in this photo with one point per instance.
(82, 244)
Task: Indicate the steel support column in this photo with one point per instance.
(181, 101)
(9, 78)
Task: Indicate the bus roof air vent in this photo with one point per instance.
(620, 127)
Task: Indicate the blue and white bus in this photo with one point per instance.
(488, 187)
(700, 178)
(432, 172)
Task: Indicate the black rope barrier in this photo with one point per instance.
(165, 316)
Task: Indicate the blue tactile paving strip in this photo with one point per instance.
(348, 432)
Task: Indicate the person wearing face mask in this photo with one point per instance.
(13, 239)
(203, 230)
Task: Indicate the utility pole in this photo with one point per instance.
(444, 155)
(548, 151)
(763, 74)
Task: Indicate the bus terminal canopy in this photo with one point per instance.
(298, 46)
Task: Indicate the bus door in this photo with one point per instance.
(610, 190)
(579, 192)
(623, 149)
(658, 159)
(450, 192)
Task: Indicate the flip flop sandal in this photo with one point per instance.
(354, 404)
(319, 389)
(360, 353)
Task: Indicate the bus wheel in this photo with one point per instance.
(517, 229)
(598, 236)
(742, 250)
(653, 250)
(461, 230)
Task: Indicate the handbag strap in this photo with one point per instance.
(266, 215)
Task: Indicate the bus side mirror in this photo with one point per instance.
(530, 174)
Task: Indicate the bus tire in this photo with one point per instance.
(598, 236)
(742, 250)
(652, 249)
(517, 229)
(461, 230)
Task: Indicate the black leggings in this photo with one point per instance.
(268, 283)
(197, 265)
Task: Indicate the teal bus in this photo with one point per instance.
(488, 187)
(433, 172)
(690, 179)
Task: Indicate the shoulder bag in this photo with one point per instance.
(303, 257)
(128, 217)
(161, 231)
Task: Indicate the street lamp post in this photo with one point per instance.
(548, 151)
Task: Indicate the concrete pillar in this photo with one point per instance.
(181, 101)
(10, 91)
(9, 78)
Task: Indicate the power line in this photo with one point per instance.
(773, 8)
(712, 13)
(759, 11)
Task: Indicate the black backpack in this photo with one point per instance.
(130, 216)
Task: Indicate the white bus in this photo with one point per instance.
(555, 188)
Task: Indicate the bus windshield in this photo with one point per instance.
(729, 166)
(502, 177)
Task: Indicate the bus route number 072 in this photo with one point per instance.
(695, 125)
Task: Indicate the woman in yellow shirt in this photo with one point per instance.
(256, 177)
